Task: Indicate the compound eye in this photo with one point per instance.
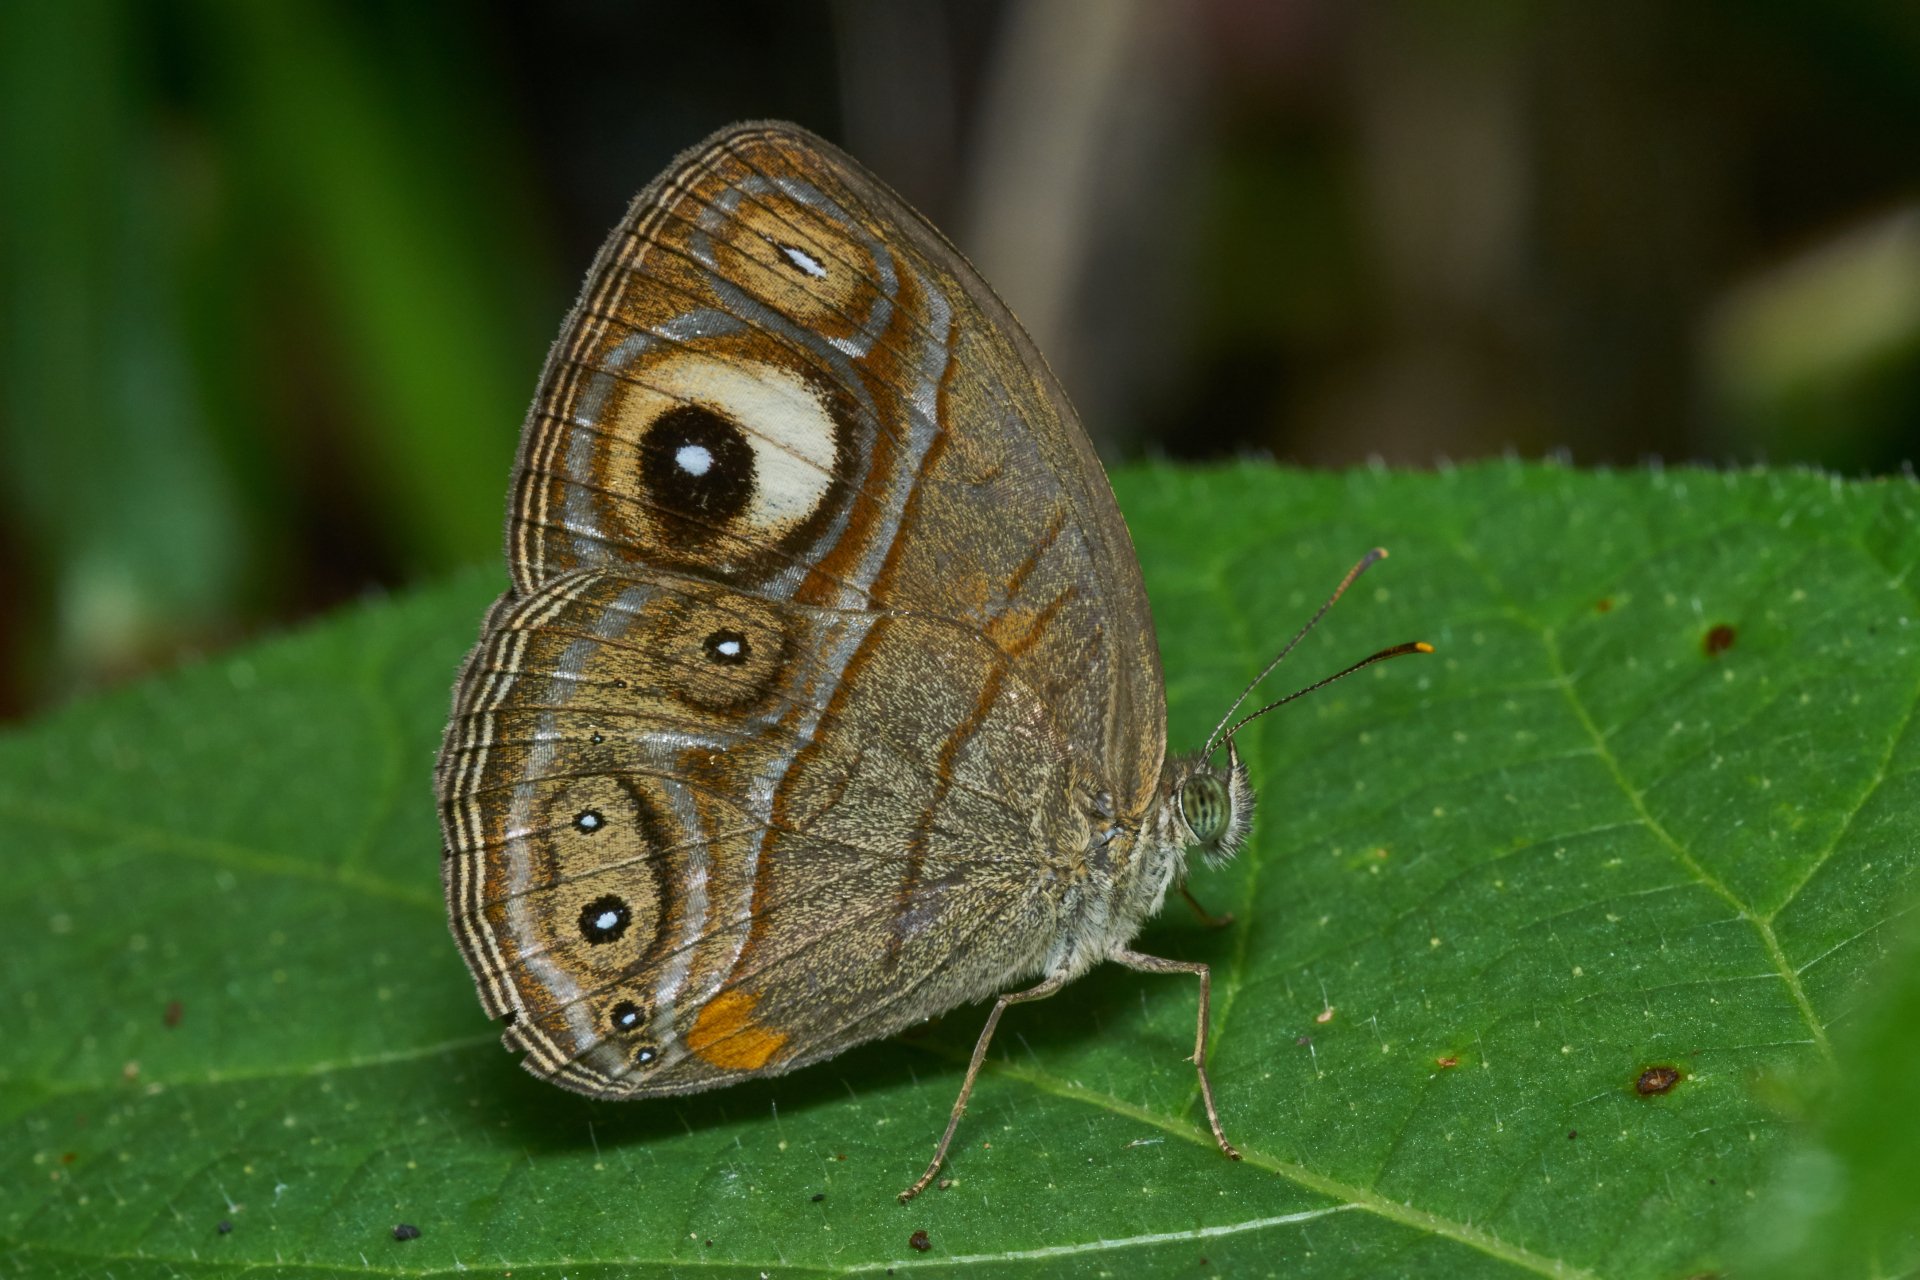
(1204, 806)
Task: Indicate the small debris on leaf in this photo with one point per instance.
(1656, 1080)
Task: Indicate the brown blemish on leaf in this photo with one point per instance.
(1655, 1080)
(1719, 639)
(1572, 1134)
(1602, 605)
(1448, 1061)
(920, 1242)
(173, 1014)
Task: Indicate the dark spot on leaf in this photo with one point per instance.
(1446, 1062)
(1718, 641)
(818, 1196)
(225, 1228)
(840, 1155)
(405, 1231)
(1602, 605)
(1573, 1133)
(1656, 1080)
(68, 1157)
(172, 1015)
(920, 1242)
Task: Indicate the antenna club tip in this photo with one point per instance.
(1421, 646)
(1378, 553)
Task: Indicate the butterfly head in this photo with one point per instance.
(1215, 804)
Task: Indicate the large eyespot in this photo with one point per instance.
(1205, 808)
(727, 455)
(698, 466)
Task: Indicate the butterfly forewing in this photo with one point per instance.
(824, 635)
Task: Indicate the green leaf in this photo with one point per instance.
(1487, 890)
(1844, 1203)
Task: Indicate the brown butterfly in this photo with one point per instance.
(825, 697)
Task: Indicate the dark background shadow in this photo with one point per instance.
(279, 278)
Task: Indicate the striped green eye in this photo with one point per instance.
(1203, 803)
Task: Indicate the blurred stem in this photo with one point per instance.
(393, 246)
(126, 509)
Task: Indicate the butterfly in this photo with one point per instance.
(825, 696)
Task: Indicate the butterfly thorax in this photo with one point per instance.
(1130, 865)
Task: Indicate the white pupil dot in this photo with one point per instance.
(694, 459)
(729, 647)
(606, 920)
(805, 261)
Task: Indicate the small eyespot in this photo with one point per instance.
(628, 1016)
(643, 1055)
(729, 648)
(588, 821)
(605, 919)
(800, 260)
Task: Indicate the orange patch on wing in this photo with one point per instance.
(725, 1034)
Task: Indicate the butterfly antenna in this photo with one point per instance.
(1366, 562)
(1398, 651)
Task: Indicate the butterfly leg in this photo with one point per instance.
(1154, 964)
(1207, 917)
(1041, 992)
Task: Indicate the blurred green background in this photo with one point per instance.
(279, 275)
